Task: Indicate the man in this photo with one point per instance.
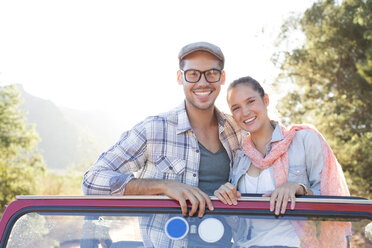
(185, 153)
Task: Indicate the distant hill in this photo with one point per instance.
(68, 136)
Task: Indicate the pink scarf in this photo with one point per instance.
(332, 182)
(332, 178)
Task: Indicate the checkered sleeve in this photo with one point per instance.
(114, 168)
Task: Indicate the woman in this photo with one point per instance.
(277, 162)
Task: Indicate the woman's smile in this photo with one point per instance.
(249, 121)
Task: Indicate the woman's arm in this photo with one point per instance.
(314, 160)
(280, 196)
(314, 164)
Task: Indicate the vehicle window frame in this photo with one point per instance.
(247, 206)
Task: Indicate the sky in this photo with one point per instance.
(120, 57)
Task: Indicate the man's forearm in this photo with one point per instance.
(145, 186)
(175, 190)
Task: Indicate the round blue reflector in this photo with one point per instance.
(176, 228)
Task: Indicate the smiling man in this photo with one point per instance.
(185, 153)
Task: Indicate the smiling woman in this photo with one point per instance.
(281, 163)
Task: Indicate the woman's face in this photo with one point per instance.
(248, 108)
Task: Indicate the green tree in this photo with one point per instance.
(331, 82)
(20, 162)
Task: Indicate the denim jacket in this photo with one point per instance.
(305, 159)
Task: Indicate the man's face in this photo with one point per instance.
(202, 94)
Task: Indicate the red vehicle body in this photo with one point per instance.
(63, 221)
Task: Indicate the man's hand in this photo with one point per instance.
(228, 194)
(175, 190)
(183, 192)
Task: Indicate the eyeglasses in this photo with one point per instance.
(211, 75)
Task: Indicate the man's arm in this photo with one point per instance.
(175, 190)
(112, 174)
(114, 169)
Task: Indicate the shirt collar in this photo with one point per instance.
(183, 120)
(221, 119)
(277, 134)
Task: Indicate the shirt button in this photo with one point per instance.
(170, 167)
(197, 151)
(194, 175)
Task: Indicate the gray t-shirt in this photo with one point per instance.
(214, 169)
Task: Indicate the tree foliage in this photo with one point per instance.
(20, 162)
(331, 79)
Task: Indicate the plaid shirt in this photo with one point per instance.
(160, 147)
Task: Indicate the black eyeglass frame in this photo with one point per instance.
(202, 73)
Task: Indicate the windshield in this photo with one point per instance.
(48, 229)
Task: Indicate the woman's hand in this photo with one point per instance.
(280, 196)
(228, 194)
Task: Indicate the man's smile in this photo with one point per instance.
(203, 93)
